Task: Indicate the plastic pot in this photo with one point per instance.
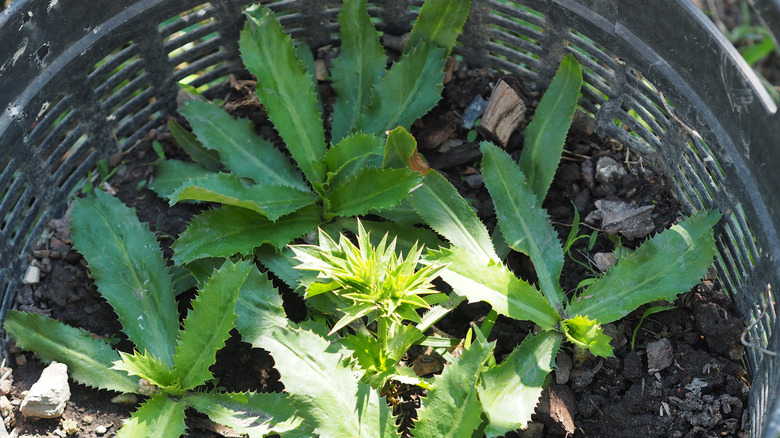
(79, 82)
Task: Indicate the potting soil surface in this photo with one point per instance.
(683, 377)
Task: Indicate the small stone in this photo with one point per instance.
(450, 144)
(618, 336)
(49, 395)
(70, 427)
(609, 170)
(5, 386)
(101, 430)
(563, 366)
(659, 355)
(587, 173)
(620, 217)
(87, 419)
(604, 260)
(475, 109)
(6, 408)
(32, 276)
(21, 359)
(474, 181)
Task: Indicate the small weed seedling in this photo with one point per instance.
(268, 199)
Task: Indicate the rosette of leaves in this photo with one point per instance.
(169, 364)
(377, 283)
(271, 196)
(659, 269)
(326, 381)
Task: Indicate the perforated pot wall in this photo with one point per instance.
(79, 82)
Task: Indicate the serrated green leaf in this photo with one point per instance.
(242, 151)
(587, 333)
(440, 22)
(402, 213)
(360, 64)
(352, 155)
(171, 174)
(401, 340)
(546, 134)
(202, 269)
(273, 201)
(147, 367)
(372, 189)
(324, 390)
(524, 223)
(407, 92)
(251, 413)
(306, 55)
(208, 324)
(496, 285)
(228, 230)
(286, 90)
(259, 308)
(352, 313)
(365, 349)
(127, 265)
(281, 263)
(444, 210)
(356, 147)
(406, 236)
(662, 267)
(89, 360)
(159, 416)
(452, 408)
(510, 391)
(209, 159)
(399, 147)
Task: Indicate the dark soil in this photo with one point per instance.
(699, 390)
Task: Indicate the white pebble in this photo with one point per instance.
(32, 276)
